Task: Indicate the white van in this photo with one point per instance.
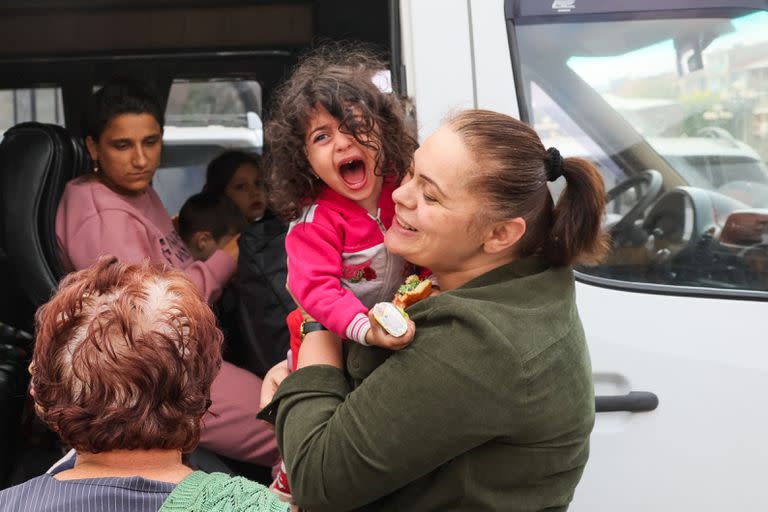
(666, 97)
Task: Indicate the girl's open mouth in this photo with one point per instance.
(353, 173)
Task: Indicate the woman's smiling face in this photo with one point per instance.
(435, 210)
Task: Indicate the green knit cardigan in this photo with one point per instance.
(213, 492)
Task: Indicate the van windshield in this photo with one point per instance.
(674, 108)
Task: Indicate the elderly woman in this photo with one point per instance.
(114, 210)
(122, 369)
(491, 406)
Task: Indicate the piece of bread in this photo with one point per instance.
(391, 318)
(412, 291)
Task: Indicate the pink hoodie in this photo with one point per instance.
(338, 266)
(92, 220)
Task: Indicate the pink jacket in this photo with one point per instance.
(338, 266)
(92, 220)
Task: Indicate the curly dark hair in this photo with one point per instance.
(124, 358)
(338, 77)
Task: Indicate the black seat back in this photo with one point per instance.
(36, 162)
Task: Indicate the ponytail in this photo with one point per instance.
(576, 235)
(512, 178)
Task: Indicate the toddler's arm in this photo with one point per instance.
(314, 277)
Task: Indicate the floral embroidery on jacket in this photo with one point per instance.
(359, 272)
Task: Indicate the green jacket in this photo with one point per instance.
(489, 408)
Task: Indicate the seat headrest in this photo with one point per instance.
(36, 162)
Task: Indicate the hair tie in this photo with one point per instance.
(554, 164)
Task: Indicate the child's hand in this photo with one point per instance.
(378, 337)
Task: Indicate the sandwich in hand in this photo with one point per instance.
(412, 291)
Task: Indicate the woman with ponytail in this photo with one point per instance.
(492, 404)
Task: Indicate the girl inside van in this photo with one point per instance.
(338, 147)
(238, 175)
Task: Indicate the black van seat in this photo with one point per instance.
(36, 162)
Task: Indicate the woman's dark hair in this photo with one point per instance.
(223, 167)
(513, 169)
(339, 78)
(120, 96)
(124, 358)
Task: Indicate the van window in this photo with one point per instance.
(693, 92)
(212, 101)
(556, 128)
(42, 104)
(203, 119)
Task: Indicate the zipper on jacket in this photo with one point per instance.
(378, 220)
(390, 271)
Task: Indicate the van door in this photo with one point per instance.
(670, 101)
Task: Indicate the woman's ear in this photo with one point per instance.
(504, 235)
(92, 147)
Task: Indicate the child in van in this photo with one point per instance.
(207, 223)
(338, 147)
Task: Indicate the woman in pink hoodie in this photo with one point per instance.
(114, 210)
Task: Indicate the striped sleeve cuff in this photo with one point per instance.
(358, 328)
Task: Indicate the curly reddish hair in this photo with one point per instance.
(124, 358)
(339, 77)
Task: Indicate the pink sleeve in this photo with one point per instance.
(122, 235)
(314, 277)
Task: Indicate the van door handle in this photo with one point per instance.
(634, 401)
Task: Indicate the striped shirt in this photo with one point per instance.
(45, 493)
